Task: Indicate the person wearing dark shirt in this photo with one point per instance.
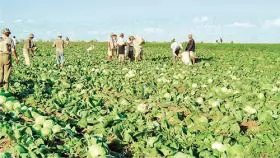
(191, 48)
(221, 40)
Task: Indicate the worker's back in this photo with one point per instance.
(59, 44)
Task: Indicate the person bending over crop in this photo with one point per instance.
(191, 48)
(7, 48)
(59, 45)
(28, 49)
(176, 48)
(121, 47)
(112, 46)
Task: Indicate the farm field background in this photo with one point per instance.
(226, 105)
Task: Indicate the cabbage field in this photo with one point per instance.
(226, 105)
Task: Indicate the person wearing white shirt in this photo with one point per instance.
(121, 47)
(176, 47)
(15, 40)
(138, 47)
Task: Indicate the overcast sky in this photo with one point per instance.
(160, 20)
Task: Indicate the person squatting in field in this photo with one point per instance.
(7, 48)
(112, 46)
(28, 49)
(176, 48)
(59, 45)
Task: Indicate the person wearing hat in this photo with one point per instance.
(59, 45)
(28, 49)
(7, 48)
(121, 47)
(176, 48)
(130, 48)
(112, 46)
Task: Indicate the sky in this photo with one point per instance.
(250, 21)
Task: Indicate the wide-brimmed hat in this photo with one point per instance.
(6, 30)
(131, 37)
(31, 35)
(112, 34)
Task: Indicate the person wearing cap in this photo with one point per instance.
(130, 48)
(138, 47)
(28, 49)
(176, 48)
(112, 46)
(191, 48)
(59, 45)
(121, 47)
(7, 48)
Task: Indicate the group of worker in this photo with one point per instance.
(121, 48)
(133, 49)
(188, 55)
(8, 48)
(118, 47)
(29, 49)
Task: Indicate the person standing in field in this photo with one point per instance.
(221, 40)
(15, 40)
(112, 46)
(191, 48)
(28, 49)
(176, 48)
(7, 48)
(130, 48)
(59, 45)
(121, 47)
(67, 40)
(138, 47)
